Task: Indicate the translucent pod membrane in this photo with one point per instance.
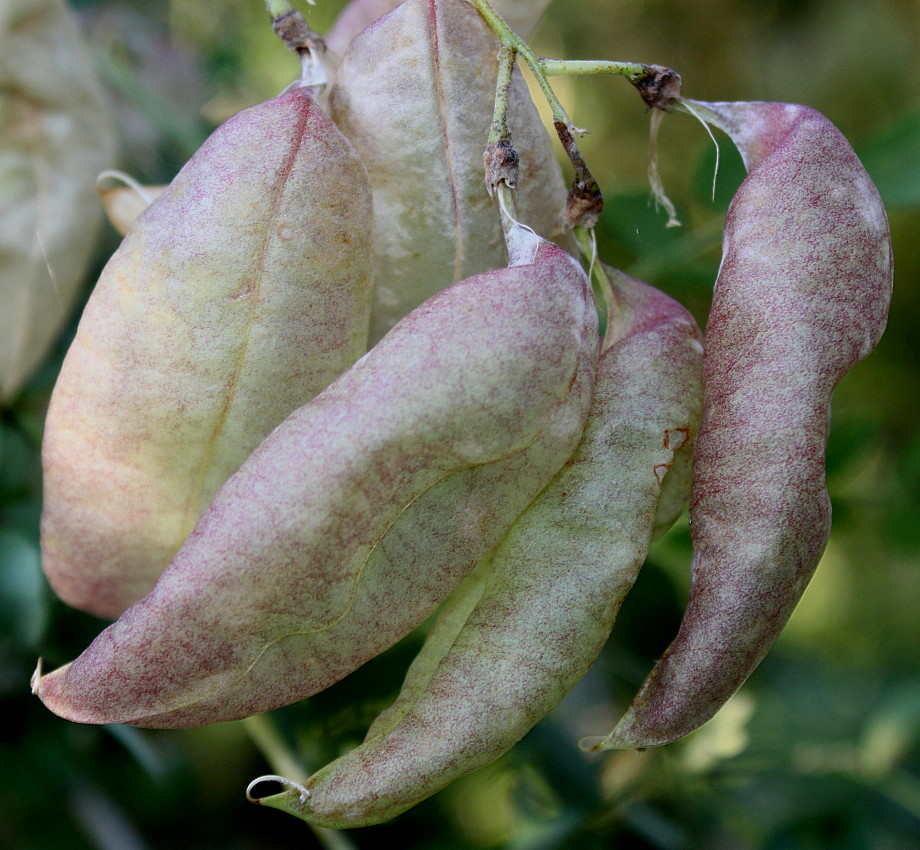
(521, 15)
(360, 512)
(802, 295)
(242, 291)
(415, 94)
(527, 624)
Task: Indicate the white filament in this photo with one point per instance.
(281, 780)
(654, 178)
(708, 129)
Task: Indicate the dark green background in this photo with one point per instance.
(819, 749)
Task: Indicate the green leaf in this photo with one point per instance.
(892, 159)
(23, 601)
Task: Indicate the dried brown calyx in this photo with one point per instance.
(502, 165)
(659, 86)
(585, 200)
(292, 28)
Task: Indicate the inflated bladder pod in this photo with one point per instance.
(414, 93)
(239, 294)
(279, 591)
(801, 296)
(55, 137)
(527, 625)
(521, 15)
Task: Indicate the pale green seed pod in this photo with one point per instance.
(802, 295)
(521, 15)
(414, 93)
(55, 137)
(482, 392)
(675, 475)
(239, 294)
(527, 625)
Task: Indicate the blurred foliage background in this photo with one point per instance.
(821, 749)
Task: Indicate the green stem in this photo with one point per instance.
(269, 742)
(585, 199)
(501, 160)
(278, 8)
(510, 39)
(633, 71)
(284, 763)
(499, 132)
(659, 87)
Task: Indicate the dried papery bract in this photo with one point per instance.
(55, 137)
(124, 204)
(527, 625)
(239, 294)
(521, 15)
(802, 295)
(415, 93)
(279, 592)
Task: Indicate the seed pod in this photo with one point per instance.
(802, 295)
(55, 137)
(415, 93)
(240, 293)
(521, 15)
(275, 595)
(353, 19)
(674, 475)
(530, 622)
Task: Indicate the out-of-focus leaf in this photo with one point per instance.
(727, 180)
(892, 159)
(16, 460)
(54, 138)
(632, 219)
(891, 730)
(23, 600)
(140, 746)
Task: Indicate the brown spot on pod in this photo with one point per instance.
(674, 438)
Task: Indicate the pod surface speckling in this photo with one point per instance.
(275, 576)
(527, 625)
(55, 137)
(414, 93)
(521, 15)
(239, 294)
(802, 295)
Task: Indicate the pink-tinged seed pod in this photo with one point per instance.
(239, 294)
(415, 93)
(521, 15)
(55, 137)
(675, 474)
(801, 296)
(353, 19)
(278, 592)
(530, 621)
